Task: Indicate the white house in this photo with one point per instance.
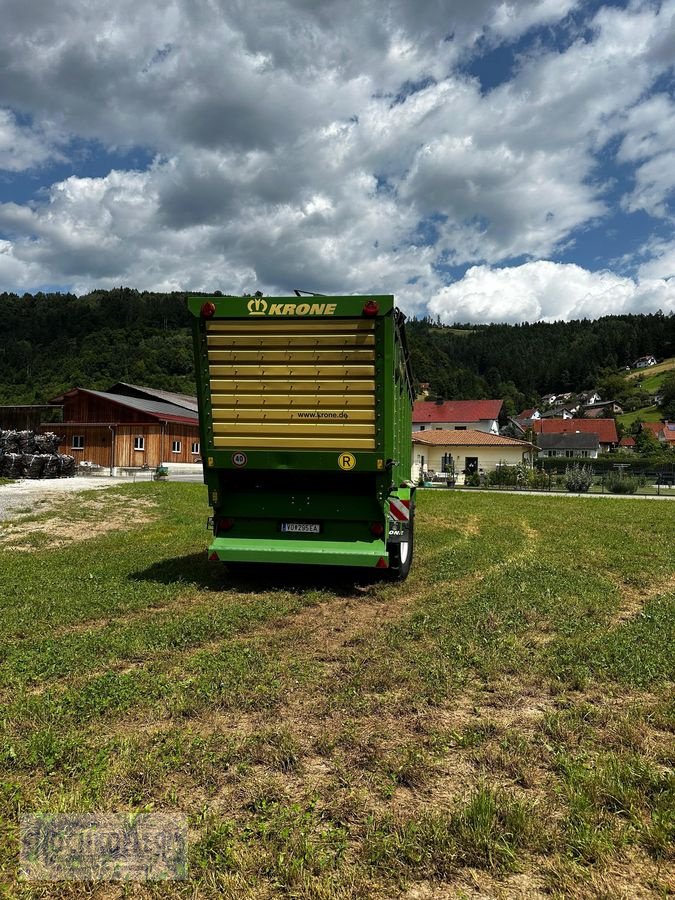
(466, 452)
(644, 362)
(457, 415)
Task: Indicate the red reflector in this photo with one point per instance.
(382, 563)
(225, 524)
(213, 557)
(371, 308)
(377, 528)
(208, 310)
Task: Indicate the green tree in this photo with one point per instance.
(667, 404)
(647, 443)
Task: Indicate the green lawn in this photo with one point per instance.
(646, 414)
(653, 371)
(502, 723)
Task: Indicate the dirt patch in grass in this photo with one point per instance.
(321, 630)
(468, 526)
(634, 598)
(95, 517)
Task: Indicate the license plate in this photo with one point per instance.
(301, 527)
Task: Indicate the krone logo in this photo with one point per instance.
(257, 307)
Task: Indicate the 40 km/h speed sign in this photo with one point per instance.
(239, 459)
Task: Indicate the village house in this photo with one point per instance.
(461, 453)
(458, 415)
(662, 431)
(570, 445)
(604, 429)
(644, 362)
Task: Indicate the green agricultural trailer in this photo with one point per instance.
(305, 415)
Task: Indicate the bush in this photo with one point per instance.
(506, 475)
(578, 479)
(617, 484)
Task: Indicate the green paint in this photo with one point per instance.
(274, 486)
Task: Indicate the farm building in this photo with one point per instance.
(139, 428)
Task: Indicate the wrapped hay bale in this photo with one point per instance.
(67, 465)
(12, 465)
(52, 465)
(47, 443)
(11, 440)
(32, 465)
(27, 442)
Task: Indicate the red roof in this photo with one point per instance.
(627, 442)
(456, 410)
(662, 432)
(604, 428)
(468, 438)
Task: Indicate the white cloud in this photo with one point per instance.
(272, 121)
(548, 291)
(22, 147)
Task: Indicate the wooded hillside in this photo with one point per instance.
(52, 342)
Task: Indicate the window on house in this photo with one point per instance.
(583, 453)
(422, 427)
(78, 442)
(460, 427)
(195, 447)
(176, 447)
(139, 442)
(569, 453)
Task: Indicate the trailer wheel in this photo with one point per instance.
(401, 555)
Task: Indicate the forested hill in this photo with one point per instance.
(519, 363)
(51, 342)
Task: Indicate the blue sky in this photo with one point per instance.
(483, 161)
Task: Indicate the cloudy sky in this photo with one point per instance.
(484, 161)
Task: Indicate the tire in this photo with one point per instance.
(401, 555)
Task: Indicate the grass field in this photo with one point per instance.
(501, 725)
(646, 414)
(652, 371)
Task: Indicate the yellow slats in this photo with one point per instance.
(290, 384)
(279, 326)
(291, 356)
(273, 414)
(288, 429)
(264, 371)
(292, 387)
(301, 401)
(294, 443)
(344, 338)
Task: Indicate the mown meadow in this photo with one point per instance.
(500, 725)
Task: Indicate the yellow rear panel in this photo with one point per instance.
(293, 384)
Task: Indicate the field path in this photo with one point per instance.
(33, 495)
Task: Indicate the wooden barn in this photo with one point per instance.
(128, 427)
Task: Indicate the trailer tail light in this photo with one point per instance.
(208, 310)
(382, 563)
(214, 557)
(225, 524)
(371, 308)
(377, 529)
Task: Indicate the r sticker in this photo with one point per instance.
(239, 459)
(347, 461)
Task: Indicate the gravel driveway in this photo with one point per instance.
(23, 495)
